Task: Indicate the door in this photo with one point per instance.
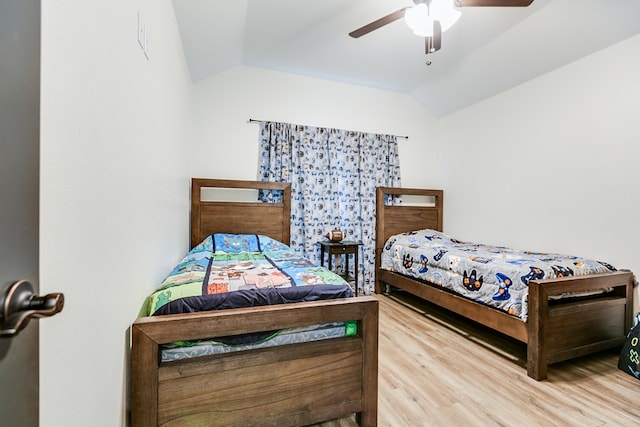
(19, 199)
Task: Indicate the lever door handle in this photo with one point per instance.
(20, 303)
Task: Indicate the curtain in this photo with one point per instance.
(333, 174)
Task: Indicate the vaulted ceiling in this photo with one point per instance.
(489, 50)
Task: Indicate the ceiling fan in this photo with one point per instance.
(429, 18)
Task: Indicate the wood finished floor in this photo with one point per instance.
(436, 369)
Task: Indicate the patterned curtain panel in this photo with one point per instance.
(334, 174)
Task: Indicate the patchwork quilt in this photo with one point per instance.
(242, 270)
(492, 275)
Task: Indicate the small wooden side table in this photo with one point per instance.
(346, 248)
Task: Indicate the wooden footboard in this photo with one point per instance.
(565, 329)
(288, 385)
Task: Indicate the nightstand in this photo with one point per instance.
(346, 248)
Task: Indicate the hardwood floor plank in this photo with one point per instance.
(437, 369)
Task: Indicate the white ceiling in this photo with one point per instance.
(487, 51)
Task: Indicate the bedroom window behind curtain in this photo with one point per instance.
(334, 174)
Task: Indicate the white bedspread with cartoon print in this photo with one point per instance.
(492, 275)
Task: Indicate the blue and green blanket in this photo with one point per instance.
(242, 270)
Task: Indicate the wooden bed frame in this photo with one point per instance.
(290, 385)
(554, 331)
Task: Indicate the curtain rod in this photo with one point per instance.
(262, 121)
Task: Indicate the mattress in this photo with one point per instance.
(492, 275)
(189, 350)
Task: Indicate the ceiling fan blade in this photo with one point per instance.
(493, 3)
(388, 19)
(434, 43)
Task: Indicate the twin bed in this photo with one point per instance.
(573, 308)
(188, 367)
(252, 381)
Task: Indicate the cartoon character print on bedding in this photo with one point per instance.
(184, 280)
(562, 271)
(246, 270)
(424, 264)
(407, 261)
(235, 244)
(302, 271)
(471, 281)
(226, 263)
(534, 273)
(240, 261)
(504, 282)
(483, 273)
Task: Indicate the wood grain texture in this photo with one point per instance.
(289, 385)
(439, 369)
(549, 334)
(269, 219)
(262, 389)
(283, 386)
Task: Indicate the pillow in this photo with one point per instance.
(235, 243)
(269, 244)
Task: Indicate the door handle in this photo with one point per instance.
(20, 303)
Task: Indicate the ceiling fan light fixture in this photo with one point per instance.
(420, 17)
(445, 12)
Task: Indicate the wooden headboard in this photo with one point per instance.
(396, 219)
(269, 219)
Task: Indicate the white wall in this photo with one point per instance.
(226, 145)
(117, 153)
(114, 193)
(552, 164)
